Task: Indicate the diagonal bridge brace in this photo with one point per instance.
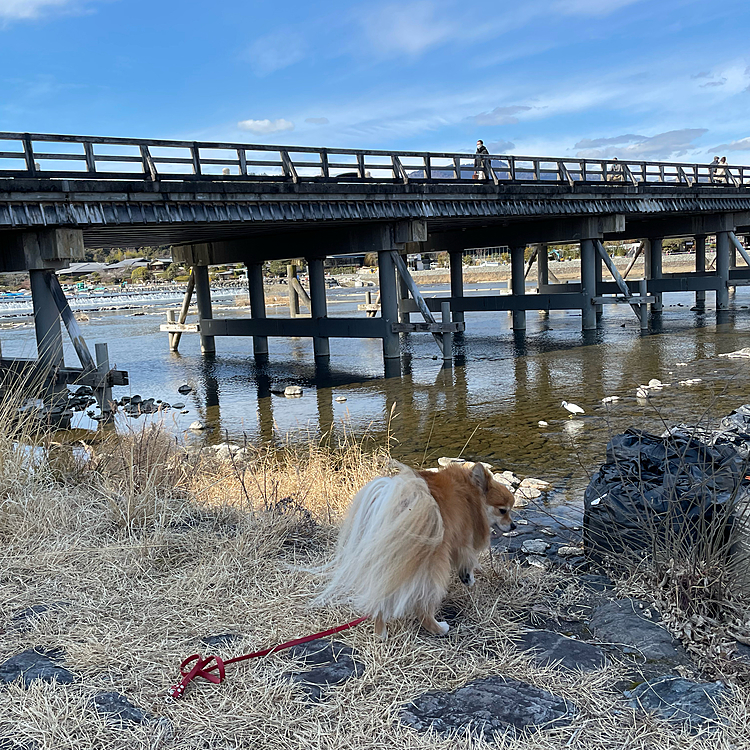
(638, 306)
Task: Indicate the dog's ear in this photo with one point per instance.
(480, 477)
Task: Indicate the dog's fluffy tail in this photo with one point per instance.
(383, 563)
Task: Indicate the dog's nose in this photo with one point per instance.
(513, 526)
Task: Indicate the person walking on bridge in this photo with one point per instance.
(479, 159)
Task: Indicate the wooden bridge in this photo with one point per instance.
(217, 203)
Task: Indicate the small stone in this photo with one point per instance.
(341, 399)
(538, 561)
(654, 383)
(226, 451)
(534, 546)
(528, 493)
(610, 399)
(570, 551)
(512, 478)
(178, 405)
(185, 411)
(642, 392)
(502, 480)
(542, 423)
(292, 391)
(537, 484)
(511, 533)
(184, 389)
(446, 461)
(197, 426)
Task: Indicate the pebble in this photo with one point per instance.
(198, 426)
(341, 399)
(655, 383)
(542, 423)
(538, 562)
(537, 484)
(642, 392)
(534, 546)
(178, 405)
(528, 493)
(610, 399)
(570, 551)
(292, 391)
(184, 389)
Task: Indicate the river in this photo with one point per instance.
(487, 407)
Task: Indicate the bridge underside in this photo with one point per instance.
(46, 224)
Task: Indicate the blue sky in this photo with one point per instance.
(643, 79)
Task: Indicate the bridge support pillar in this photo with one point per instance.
(518, 284)
(203, 299)
(700, 265)
(388, 304)
(318, 306)
(257, 304)
(653, 267)
(291, 275)
(403, 296)
(588, 284)
(457, 281)
(722, 270)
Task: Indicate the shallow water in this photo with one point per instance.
(486, 407)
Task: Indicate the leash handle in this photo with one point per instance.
(200, 665)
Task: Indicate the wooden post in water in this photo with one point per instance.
(205, 312)
(318, 306)
(518, 284)
(653, 269)
(588, 285)
(174, 338)
(291, 276)
(388, 304)
(457, 281)
(445, 312)
(722, 271)
(700, 265)
(104, 391)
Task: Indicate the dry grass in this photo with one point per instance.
(145, 549)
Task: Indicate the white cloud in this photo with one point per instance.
(264, 127)
(406, 28)
(15, 10)
(741, 145)
(591, 7)
(275, 51)
(668, 145)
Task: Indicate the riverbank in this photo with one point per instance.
(122, 559)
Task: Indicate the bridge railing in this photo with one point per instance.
(24, 155)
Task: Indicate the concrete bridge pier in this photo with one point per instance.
(722, 271)
(598, 271)
(700, 266)
(518, 283)
(542, 271)
(203, 300)
(588, 284)
(257, 304)
(653, 268)
(457, 281)
(403, 298)
(318, 306)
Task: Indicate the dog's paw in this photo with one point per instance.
(467, 578)
(444, 627)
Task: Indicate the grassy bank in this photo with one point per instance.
(139, 550)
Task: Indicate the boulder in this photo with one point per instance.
(488, 707)
(678, 700)
(35, 664)
(548, 647)
(627, 622)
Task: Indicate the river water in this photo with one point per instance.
(487, 407)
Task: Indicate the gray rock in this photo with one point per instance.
(487, 707)
(678, 700)
(222, 640)
(549, 647)
(118, 707)
(35, 664)
(332, 663)
(184, 389)
(534, 546)
(624, 622)
(178, 405)
(293, 391)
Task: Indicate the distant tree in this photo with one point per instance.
(95, 277)
(371, 260)
(172, 272)
(139, 275)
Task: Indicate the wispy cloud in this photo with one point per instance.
(499, 115)
(27, 10)
(408, 28)
(500, 147)
(265, 127)
(669, 145)
(591, 7)
(743, 144)
(275, 51)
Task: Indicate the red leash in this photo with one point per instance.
(200, 666)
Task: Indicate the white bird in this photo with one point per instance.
(572, 408)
